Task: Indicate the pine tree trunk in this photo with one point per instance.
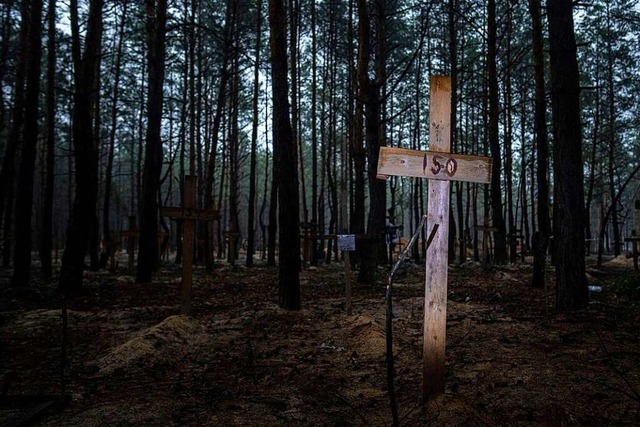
(541, 237)
(251, 221)
(357, 145)
(8, 173)
(234, 165)
(500, 246)
(230, 16)
(83, 215)
(568, 208)
(289, 267)
(24, 203)
(148, 254)
(106, 212)
(46, 245)
(611, 136)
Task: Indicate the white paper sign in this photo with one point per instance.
(347, 242)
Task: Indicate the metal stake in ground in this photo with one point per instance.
(188, 214)
(440, 167)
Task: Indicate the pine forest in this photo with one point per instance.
(319, 213)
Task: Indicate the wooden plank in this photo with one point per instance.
(434, 164)
(186, 213)
(436, 266)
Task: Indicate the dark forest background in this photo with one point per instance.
(107, 105)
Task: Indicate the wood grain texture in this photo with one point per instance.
(436, 266)
(438, 165)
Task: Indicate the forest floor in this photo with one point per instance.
(242, 361)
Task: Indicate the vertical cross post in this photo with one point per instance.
(436, 267)
(439, 166)
(188, 235)
(188, 214)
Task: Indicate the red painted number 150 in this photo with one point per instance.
(441, 163)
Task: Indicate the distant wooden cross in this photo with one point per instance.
(131, 234)
(188, 214)
(635, 239)
(440, 167)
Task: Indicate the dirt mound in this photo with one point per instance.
(619, 261)
(366, 336)
(162, 343)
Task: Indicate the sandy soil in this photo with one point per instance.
(242, 361)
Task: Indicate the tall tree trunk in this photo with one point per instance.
(611, 136)
(234, 164)
(83, 215)
(500, 246)
(592, 163)
(541, 237)
(314, 131)
(568, 207)
(357, 145)
(7, 29)
(7, 175)
(46, 244)
(24, 203)
(251, 221)
(457, 230)
(148, 255)
(289, 268)
(229, 24)
(374, 250)
(508, 141)
(106, 211)
(294, 25)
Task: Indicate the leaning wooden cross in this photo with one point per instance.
(188, 214)
(440, 167)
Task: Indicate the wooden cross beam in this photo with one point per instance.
(188, 214)
(440, 167)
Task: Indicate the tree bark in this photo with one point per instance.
(500, 245)
(46, 244)
(568, 208)
(148, 255)
(106, 211)
(541, 238)
(7, 175)
(24, 202)
(288, 211)
(229, 24)
(357, 145)
(251, 220)
(83, 215)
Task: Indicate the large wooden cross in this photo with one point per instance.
(188, 214)
(440, 167)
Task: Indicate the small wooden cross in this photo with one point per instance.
(188, 214)
(131, 234)
(635, 239)
(440, 167)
